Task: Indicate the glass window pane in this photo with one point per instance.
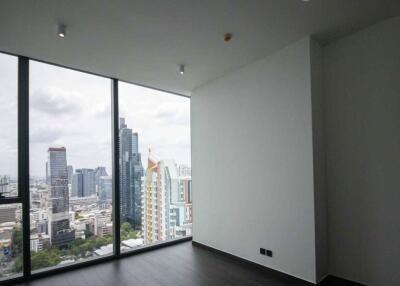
(70, 166)
(155, 166)
(10, 241)
(8, 126)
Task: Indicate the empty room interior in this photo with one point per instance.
(184, 142)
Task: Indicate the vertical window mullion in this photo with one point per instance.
(115, 167)
(23, 157)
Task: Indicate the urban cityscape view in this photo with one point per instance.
(71, 179)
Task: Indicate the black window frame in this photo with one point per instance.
(23, 196)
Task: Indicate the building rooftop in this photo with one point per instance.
(132, 243)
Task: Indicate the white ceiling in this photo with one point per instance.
(144, 41)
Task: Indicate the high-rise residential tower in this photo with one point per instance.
(57, 182)
(160, 181)
(184, 171)
(131, 172)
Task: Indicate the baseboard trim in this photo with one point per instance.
(271, 272)
(329, 280)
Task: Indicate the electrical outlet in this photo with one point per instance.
(262, 251)
(269, 253)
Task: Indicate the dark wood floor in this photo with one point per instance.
(181, 264)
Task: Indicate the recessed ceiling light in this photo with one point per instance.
(181, 69)
(61, 30)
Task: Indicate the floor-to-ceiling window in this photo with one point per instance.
(62, 137)
(155, 166)
(10, 213)
(70, 166)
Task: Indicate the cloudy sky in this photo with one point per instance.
(73, 109)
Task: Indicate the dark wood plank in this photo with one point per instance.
(181, 264)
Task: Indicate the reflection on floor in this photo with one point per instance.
(180, 264)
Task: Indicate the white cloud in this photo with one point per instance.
(73, 109)
(45, 135)
(54, 101)
(161, 119)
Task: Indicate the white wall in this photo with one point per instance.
(265, 137)
(362, 87)
(252, 158)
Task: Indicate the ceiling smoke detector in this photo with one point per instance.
(227, 37)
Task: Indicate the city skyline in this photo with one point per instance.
(80, 122)
(79, 107)
(70, 148)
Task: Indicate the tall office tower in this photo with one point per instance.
(99, 172)
(4, 186)
(105, 188)
(83, 183)
(160, 179)
(77, 185)
(138, 173)
(70, 171)
(131, 172)
(135, 143)
(57, 181)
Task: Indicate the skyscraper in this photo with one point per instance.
(83, 183)
(185, 193)
(70, 171)
(57, 182)
(4, 185)
(99, 172)
(135, 143)
(131, 172)
(160, 180)
(105, 188)
(138, 173)
(184, 171)
(77, 185)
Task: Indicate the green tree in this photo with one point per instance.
(17, 267)
(53, 256)
(127, 231)
(88, 233)
(16, 243)
(16, 249)
(45, 258)
(126, 227)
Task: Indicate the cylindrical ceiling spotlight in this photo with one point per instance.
(61, 30)
(181, 69)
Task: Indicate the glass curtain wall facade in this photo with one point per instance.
(63, 136)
